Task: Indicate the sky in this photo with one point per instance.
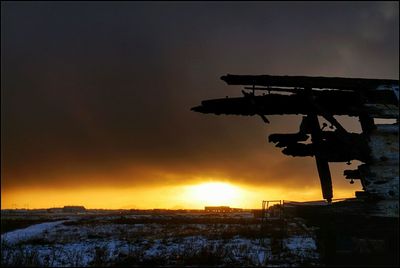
(96, 98)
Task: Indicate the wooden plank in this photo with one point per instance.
(384, 143)
(343, 83)
(380, 177)
(382, 110)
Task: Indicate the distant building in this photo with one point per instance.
(74, 209)
(54, 210)
(222, 209)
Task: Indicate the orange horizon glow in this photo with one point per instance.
(188, 196)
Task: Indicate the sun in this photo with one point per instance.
(214, 194)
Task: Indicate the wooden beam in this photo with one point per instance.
(308, 81)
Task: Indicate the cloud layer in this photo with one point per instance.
(101, 92)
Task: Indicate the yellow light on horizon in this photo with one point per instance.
(214, 193)
(189, 196)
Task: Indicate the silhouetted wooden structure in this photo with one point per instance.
(377, 146)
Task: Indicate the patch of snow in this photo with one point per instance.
(300, 243)
(29, 232)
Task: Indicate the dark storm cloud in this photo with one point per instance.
(101, 87)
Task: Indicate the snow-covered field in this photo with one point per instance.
(30, 232)
(157, 240)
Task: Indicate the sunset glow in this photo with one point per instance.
(215, 193)
(190, 196)
(97, 112)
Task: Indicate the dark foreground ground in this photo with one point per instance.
(153, 239)
(300, 237)
(347, 235)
